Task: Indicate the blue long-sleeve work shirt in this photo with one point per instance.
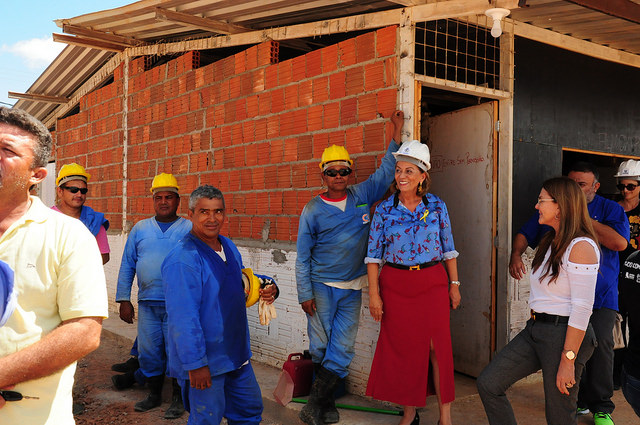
(205, 301)
(606, 212)
(145, 250)
(332, 243)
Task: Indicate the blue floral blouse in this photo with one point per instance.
(400, 236)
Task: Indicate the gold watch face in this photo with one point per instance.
(570, 355)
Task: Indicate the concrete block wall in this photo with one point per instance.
(253, 127)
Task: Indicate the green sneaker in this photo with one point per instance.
(583, 411)
(600, 418)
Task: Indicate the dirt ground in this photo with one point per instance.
(102, 403)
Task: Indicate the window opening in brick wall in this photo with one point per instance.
(457, 51)
(73, 111)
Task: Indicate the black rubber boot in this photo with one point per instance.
(122, 382)
(154, 399)
(129, 366)
(311, 413)
(177, 407)
(330, 414)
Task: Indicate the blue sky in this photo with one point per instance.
(26, 45)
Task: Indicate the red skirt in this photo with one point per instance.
(415, 307)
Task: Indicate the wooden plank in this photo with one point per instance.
(288, 7)
(405, 52)
(98, 78)
(86, 42)
(427, 12)
(456, 8)
(575, 45)
(38, 97)
(102, 36)
(198, 22)
(440, 83)
(621, 8)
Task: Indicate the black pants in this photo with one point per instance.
(596, 388)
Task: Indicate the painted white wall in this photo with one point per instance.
(288, 332)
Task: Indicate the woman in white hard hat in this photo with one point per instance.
(411, 238)
(558, 339)
(628, 184)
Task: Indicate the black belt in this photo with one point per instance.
(416, 267)
(551, 318)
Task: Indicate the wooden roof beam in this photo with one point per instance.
(101, 36)
(87, 42)
(206, 24)
(38, 98)
(624, 9)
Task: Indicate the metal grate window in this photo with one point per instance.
(457, 51)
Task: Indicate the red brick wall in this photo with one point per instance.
(245, 124)
(93, 139)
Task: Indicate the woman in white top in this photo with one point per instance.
(558, 338)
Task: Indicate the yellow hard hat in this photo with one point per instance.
(164, 181)
(70, 172)
(251, 287)
(335, 153)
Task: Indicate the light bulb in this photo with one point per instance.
(496, 29)
(497, 14)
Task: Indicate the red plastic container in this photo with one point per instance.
(300, 368)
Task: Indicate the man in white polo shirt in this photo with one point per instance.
(59, 283)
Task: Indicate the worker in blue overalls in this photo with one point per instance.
(147, 245)
(209, 348)
(330, 269)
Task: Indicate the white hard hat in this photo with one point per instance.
(415, 153)
(629, 169)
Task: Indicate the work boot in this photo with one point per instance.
(312, 412)
(154, 399)
(177, 407)
(122, 382)
(330, 414)
(129, 366)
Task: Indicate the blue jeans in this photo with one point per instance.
(152, 336)
(234, 395)
(334, 327)
(631, 390)
(538, 346)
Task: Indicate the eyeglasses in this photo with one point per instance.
(541, 200)
(332, 173)
(73, 189)
(629, 186)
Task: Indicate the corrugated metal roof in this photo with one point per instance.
(139, 22)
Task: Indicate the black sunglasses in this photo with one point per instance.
(628, 186)
(72, 189)
(332, 173)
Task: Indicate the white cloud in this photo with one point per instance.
(37, 52)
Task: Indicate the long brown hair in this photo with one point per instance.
(574, 222)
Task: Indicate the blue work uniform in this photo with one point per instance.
(208, 326)
(93, 220)
(145, 250)
(331, 248)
